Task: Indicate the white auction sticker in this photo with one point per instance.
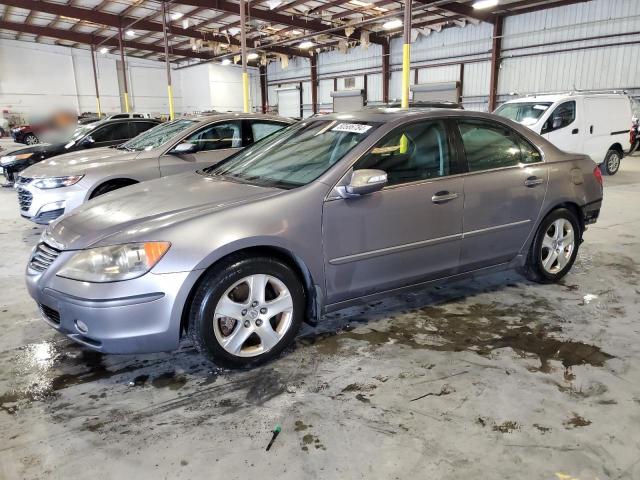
(351, 127)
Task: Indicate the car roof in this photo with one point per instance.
(236, 115)
(553, 98)
(388, 115)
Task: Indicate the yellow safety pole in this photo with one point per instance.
(243, 43)
(95, 79)
(166, 60)
(406, 54)
(124, 72)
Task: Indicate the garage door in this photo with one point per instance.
(289, 102)
(436, 92)
(348, 100)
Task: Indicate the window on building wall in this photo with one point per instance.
(350, 82)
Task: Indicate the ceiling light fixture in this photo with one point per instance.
(104, 50)
(306, 44)
(177, 15)
(392, 24)
(480, 4)
(226, 61)
(233, 31)
(131, 33)
(274, 4)
(185, 23)
(252, 56)
(359, 3)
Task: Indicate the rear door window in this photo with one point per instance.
(138, 127)
(488, 145)
(261, 129)
(112, 132)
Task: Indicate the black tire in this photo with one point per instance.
(110, 187)
(31, 139)
(215, 284)
(611, 163)
(534, 269)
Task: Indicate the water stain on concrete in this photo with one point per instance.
(528, 329)
(506, 427)
(300, 426)
(311, 441)
(169, 380)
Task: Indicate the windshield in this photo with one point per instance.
(68, 134)
(525, 113)
(295, 155)
(156, 136)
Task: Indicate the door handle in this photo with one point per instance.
(591, 129)
(533, 181)
(443, 197)
(575, 131)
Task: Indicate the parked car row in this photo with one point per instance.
(235, 244)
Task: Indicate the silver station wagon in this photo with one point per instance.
(57, 186)
(330, 212)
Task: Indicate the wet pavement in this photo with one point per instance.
(493, 377)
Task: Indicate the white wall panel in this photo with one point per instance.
(374, 87)
(447, 73)
(356, 59)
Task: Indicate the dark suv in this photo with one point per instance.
(105, 133)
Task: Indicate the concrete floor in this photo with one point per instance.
(492, 378)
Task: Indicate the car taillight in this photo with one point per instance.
(598, 174)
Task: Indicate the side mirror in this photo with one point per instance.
(363, 182)
(184, 148)
(88, 141)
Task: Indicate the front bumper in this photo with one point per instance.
(142, 315)
(44, 206)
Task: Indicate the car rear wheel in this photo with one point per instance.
(611, 162)
(554, 248)
(31, 139)
(246, 311)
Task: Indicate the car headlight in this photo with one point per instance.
(114, 263)
(12, 158)
(57, 182)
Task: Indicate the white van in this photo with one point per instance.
(593, 124)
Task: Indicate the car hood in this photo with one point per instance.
(79, 162)
(18, 148)
(138, 212)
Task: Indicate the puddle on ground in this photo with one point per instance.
(169, 380)
(528, 329)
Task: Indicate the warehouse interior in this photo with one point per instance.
(490, 375)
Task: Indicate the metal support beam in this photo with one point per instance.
(314, 83)
(95, 80)
(263, 88)
(243, 46)
(385, 71)
(406, 54)
(89, 39)
(166, 60)
(124, 71)
(496, 47)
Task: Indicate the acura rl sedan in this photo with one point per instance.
(56, 186)
(327, 213)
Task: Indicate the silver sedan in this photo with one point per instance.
(330, 212)
(57, 186)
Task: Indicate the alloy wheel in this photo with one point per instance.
(613, 163)
(253, 315)
(557, 245)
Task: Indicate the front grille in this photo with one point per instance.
(49, 313)
(43, 256)
(24, 199)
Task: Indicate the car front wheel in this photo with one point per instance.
(246, 311)
(554, 248)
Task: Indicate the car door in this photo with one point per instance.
(214, 142)
(503, 191)
(110, 134)
(406, 233)
(562, 127)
